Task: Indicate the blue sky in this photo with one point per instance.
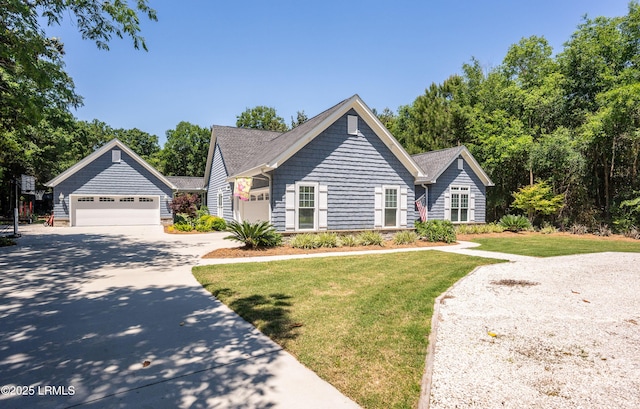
(209, 60)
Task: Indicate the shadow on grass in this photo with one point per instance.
(270, 314)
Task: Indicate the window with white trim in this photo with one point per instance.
(459, 204)
(307, 205)
(127, 199)
(220, 203)
(145, 199)
(390, 209)
(85, 199)
(107, 199)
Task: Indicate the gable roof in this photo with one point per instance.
(252, 151)
(434, 163)
(187, 182)
(101, 151)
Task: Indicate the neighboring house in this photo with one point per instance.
(454, 185)
(112, 186)
(341, 170)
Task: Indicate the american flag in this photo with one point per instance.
(421, 204)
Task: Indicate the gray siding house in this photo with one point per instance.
(341, 170)
(454, 185)
(112, 186)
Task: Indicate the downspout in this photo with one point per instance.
(270, 191)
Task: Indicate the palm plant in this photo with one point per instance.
(260, 234)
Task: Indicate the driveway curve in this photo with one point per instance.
(112, 317)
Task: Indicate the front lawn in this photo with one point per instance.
(542, 245)
(359, 322)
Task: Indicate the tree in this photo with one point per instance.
(301, 118)
(537, 199)
(261, 117)
(35, 91)
(186, 149)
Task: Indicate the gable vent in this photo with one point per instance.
(352, 125)
(116, 156)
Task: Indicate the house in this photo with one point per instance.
(341, 170)
(454, 185)
(112, 186)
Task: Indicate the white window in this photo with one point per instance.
(307, 206)
(127, 199)
(459, 204)
(390, 207)
(107, 199)
(145, 199)
(220, 203)
(85, 199)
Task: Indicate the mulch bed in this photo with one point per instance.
(239, 252)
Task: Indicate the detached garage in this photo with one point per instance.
(112, 187)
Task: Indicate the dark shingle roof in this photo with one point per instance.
(244, 149)
(187, 182)
(435, 162)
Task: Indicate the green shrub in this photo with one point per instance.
(182, 226)
(183, 218)
(405, 237)
(548, 230)
(578, 229)
(436, 230)
(370, 238)
(210, 223)
(304, 241)
(327, 240)
(514, 223)
(260, 234)
(348, 241)
(479, 228)
(5, 242)
(202, 211)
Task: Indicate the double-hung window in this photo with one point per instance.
(459, 204)
(220, 203)
(390, 207)
(307, 204)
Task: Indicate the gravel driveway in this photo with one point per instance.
(559, 332)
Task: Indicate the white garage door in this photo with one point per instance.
(115, 210)
(256, 208)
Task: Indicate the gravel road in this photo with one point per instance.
(559, 332)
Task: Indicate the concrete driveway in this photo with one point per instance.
(83, 309)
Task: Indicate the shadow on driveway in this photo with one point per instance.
(50, 334)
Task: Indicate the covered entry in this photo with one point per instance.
(110, 210)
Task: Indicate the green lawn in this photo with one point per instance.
(541, 245)
(359, 322)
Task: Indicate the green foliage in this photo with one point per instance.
(548, 229)
(185, 152)
(183, 226)
(207, 223)
(537, 199)
(301, 118)
(405, 237)
(479, 228)
(514, 223)
(370, 238)
(304, 241)
(578, 229)
(260, 234)
(327, 239)
(37, 130)
(348, 241)
(436, 230)
(262, 117)
(5, 242)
